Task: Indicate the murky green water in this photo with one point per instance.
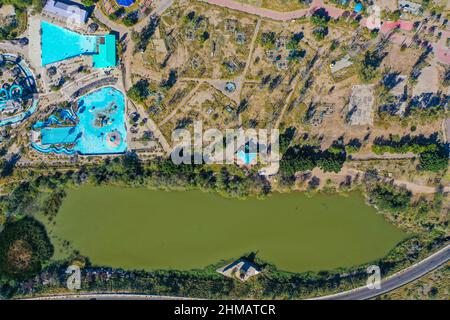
(138, 228)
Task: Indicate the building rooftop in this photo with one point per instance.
(240, 269)
(69, 12)
(388, 26)
(341, 64)
(409, 6)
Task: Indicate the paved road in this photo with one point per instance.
(397, 280)
(107, 296)
(108, 22)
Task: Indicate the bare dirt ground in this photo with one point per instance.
(428, 81)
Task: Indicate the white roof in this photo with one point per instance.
(71, 13)
(409, 5)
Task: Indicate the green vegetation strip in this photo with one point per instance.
(138, 228)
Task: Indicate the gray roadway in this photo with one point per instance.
(397, 280)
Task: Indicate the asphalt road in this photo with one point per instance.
(397, 280)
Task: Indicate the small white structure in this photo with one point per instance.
(409, 6)
(341, 64)
(67, 13)
(240, 269)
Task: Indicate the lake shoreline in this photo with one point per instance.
(315, 206)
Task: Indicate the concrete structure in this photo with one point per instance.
(409, 6)
(68, 13)
(240, 269)
(361, 104)
(341, 64)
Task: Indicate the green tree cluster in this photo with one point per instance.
(388, 197)
(320, 20)
(304, 158)
(433, 155)
(140, 91)
(24, 248)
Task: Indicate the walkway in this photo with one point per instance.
(98, 13)
(151, 126)
(276, 15)
(183, 103)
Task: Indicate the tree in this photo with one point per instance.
(267, 40)
(434, 161)
(24, 248)
(387, 197)
(142, 39)
(139, 91)
(320, 20)
(130, 20)
(89, 3)
(369, 65)
(332, 159)
(286, 138)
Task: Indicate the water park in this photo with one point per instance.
(18, 91)
(93, 125)
(59, 44)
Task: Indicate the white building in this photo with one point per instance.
(240, 269)
(341, 64)
(409, 6)
(67, 13)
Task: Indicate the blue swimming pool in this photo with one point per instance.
(63, 135)
(99, 126)
(246, 157)
(59, 44)
(125, 3)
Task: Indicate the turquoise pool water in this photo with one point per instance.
(63, 135)
(98, 128)
(59, 44)
(246, 158)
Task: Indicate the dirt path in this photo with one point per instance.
(386, 156)
(252, 48)
(276, 15)
(151, 125)
(264, 13)
(180, 105)
(345, 172)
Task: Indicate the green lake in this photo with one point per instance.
(143, 229)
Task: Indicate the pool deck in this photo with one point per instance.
(34, 47)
